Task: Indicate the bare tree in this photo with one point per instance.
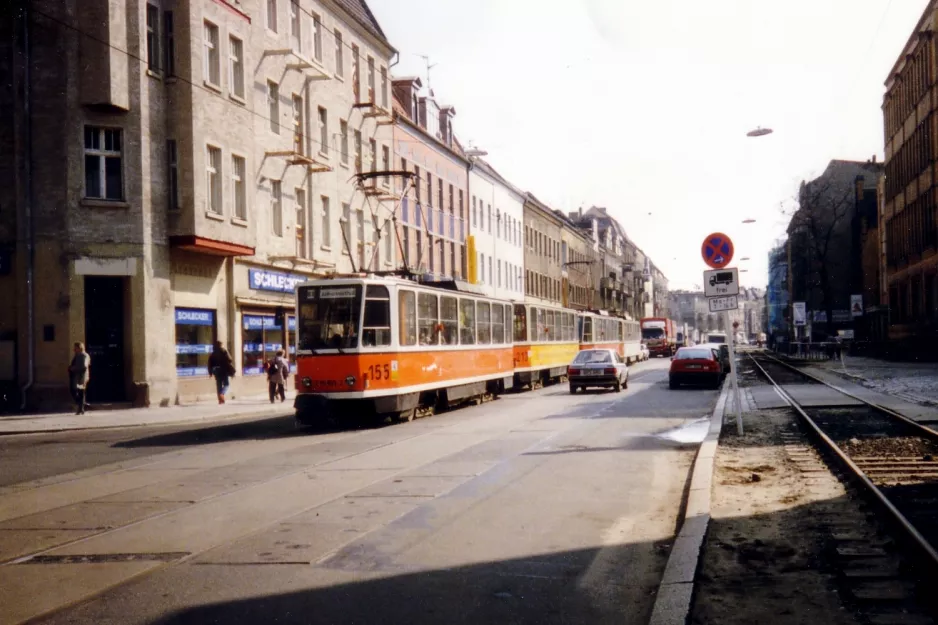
(824, 205)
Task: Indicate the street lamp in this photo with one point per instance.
(759, 132)
(749, 221)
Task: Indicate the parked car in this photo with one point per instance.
(645, 354)
(696, 365)
(598, 367)
(724, 351)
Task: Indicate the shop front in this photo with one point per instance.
(265, 300)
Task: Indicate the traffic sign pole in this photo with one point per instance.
(734, 380)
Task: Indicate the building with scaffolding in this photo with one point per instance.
(175, 169)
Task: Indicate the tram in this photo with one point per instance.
(370, 345)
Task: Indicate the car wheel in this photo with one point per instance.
(672, 384)
(572, 390)
(617, 387)
(626, 383)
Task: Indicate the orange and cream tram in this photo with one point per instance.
(384, 346)
(601, 331)
(546, 341)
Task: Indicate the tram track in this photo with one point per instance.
(891, 461)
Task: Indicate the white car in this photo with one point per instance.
(645, 354)
(598, 367)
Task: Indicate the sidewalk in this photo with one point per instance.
(134, 417)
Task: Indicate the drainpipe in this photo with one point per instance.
(28, 215)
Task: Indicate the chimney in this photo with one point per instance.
(874, 159)
(447, 113)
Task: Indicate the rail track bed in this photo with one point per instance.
(893, 462)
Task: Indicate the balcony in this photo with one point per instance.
(312, 70)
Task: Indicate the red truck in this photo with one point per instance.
(660, 335)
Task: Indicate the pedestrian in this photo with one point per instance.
(79, 374)
(277, 371)
(221, 367)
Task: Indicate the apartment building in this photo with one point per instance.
(179, 167)
(432, 226)
(542, 250)
(496, 232)
(908, 214)
(578, 262)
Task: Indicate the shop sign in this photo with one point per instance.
(194, 317)
(262, 280)
(266, 322)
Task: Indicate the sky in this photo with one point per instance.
(643, 107)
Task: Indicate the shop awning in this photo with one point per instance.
(287, 301)
(202, 245)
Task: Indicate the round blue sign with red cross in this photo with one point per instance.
(717, 250)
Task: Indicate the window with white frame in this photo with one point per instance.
(213, 179)
(212, 62)
(388, 243)
(339, 54)
(273, 106)
(343, 147)
(172, 171)
(276, 208)
(272, 14)
(296, 29)
(169, 44)
(299, 132)
(373, 154)
(345, 227)
(301, 247)
(323, 131)
(358, 151)
(317, 38)
(236, 66)
(153, 37)
(384, 87)
(326, 225)
(371, 80)
(104, 176)
(360, 236)
(239, 186)
(386, 163)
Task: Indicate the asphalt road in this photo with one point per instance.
(536, 508)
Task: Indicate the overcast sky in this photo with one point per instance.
(643, 107)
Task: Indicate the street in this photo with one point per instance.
(537, 507)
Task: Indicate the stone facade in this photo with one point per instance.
(542, 249)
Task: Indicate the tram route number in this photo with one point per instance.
(382, 371)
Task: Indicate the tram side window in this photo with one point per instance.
(449, 318)
(567, 327)
(376, 328)
(550, 320)
(407, 317)
(587, 330)
(483, 323)
(498, 323)
(427, 318)
(556, 333)
(620, 334)
(521, 324)
(467, 322)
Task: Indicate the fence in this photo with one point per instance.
(810, 351)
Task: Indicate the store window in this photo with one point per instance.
(261, 337)
(195, 338)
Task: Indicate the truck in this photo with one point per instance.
(660, 335)
(683, 336)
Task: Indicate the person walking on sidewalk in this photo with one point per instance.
(79, 374)
(277, 371)
(221, 367)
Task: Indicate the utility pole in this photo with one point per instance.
(426, 60)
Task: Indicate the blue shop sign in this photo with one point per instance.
(194, 349)
(261, 280)
(195, 317)
(188, 372)
(266, 322)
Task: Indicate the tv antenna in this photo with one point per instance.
(426, 60)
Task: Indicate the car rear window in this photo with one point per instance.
(694, 354)
(592, 357)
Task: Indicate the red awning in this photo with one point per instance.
(202, 245)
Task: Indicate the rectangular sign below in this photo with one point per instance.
(721, 282)
(719, 304)
(799, 312)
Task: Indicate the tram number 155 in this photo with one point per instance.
(379, 372)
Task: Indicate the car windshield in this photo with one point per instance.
(694, 354)
(593, 357)
(652, 333)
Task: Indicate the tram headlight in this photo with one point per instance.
(350, 380)
(307, 382)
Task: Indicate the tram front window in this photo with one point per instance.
(329, 317)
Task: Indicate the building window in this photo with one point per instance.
(323, 131)
(343, 147)
(325, 227)
(236, 61)
(276, 208)
(103, 164)
(491, 276)
(296, 29)
(299, 132)
(439, 193)
(239, 187)
(373, 154)
(213, 178)
(195, 340)
(429, 188)
(339, 54)
(386, 163)
(212, 67)
(499, 267)
(384, 87)
(356, 75)
(481, 268)
(273, 106)
(417, 185)
(272, 14)
(317, 38)
(172, 174)
(474, 220)
(261, 337)
(153, 37)
(169, 44)
(360, 236)
(301, 246)
(388, 243)
(371, 80)
(358, 151)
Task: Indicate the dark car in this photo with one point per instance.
(695, 365)
(598, 367)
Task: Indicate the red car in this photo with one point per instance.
(695, 365)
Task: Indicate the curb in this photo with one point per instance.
(139, 424)
(673, 600)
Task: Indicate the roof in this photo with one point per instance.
(487, 168)
(359, 10)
